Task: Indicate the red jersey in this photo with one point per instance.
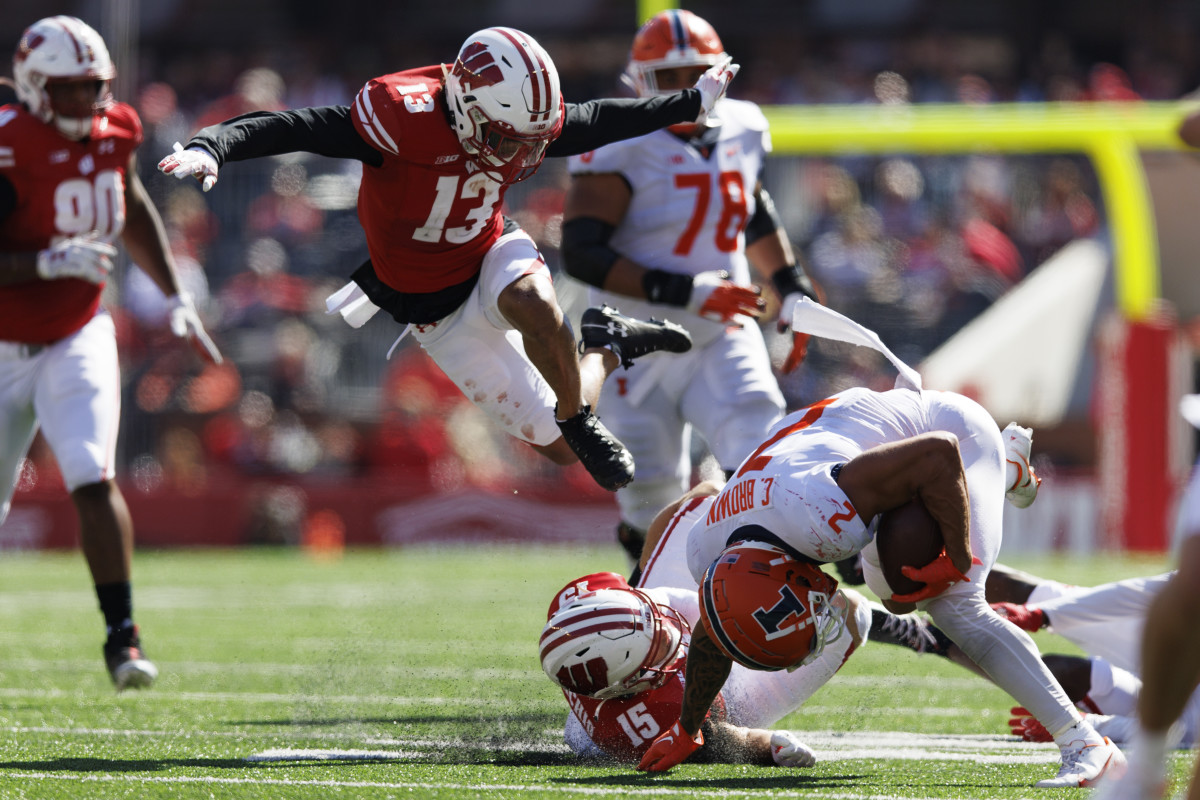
(625, 727)
(63, 188)
(429, 215)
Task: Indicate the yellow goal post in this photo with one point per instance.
(1110, 134)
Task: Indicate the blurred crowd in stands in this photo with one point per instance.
(913, 246)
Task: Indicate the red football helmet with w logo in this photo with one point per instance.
(766, 610)
(611, 643)
(505, 99)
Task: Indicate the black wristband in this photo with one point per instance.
(793, 279)
(667, 288)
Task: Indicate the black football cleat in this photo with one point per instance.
(127, 664)
(602, 455)
(629, 338)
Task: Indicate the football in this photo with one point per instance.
(907, 536)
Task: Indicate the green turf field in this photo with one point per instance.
(413, 673)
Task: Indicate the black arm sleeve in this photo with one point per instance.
(765, 220)
(598, 122)
(586, 253)
(326, 131)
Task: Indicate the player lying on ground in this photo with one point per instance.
(807, 495)
(618, 653)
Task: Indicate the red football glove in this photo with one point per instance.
(669, 749)
(715, 297)
(938, 576)
(1024, 617)
(1024, 725)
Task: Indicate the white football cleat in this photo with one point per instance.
(788, 751)
(1086, 765)
(1021, 481)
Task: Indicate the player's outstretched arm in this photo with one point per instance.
(707, 670)
(587, 126)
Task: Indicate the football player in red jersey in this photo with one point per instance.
(618, 653)
(440, 146)
(68, 189)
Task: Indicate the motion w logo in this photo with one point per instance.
(586, 678)
(477, 64)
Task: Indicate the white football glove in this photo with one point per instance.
(713, 85)
(717, 298)
(788, 751)
(84, 257)
(185, 323)
(193, 162)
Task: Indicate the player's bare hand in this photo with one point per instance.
(86, 257)
(713, 84)
(717, 298)
(186, 324)
(191, 163)
(669, 749)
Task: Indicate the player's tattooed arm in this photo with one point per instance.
(707, 670)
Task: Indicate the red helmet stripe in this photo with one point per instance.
(79, 54)
(559, 636)
(543, 103)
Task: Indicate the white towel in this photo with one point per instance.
(816, 319)
(354, 306)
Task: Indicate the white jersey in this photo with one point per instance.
(689, 209)
(753, 698)
(786, 491)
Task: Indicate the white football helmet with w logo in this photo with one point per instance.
(611, 643)
(59, 50)
(506, 101)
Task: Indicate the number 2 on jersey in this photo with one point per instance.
(734, 212)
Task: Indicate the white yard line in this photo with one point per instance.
(477, 788)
